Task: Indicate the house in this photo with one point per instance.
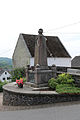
(75, 62)
(24, 51)
(4, 75)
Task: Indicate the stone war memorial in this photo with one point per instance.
(41, 73)
(35, 91)
(32, 92)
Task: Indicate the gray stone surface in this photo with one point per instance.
(40, 61)
(12, 87)
(12, 95)
(41, 73)
(40, 51)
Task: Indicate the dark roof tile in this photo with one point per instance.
(1, 71)
(75, 61)
(54, 46)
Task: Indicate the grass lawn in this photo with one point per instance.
(66, 88)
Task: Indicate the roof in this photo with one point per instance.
(54, 46)
(1, 71)
(75, 61)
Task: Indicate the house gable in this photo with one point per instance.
(25, 49)
(21, 54)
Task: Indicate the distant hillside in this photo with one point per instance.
(5, 62)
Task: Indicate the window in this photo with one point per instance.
(3, 78)
(5, 72)
(8, 78)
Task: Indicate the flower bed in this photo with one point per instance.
(67, 89)
(64, 84)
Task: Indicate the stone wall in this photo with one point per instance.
(27, 99)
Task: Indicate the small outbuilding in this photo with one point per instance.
(4, 75)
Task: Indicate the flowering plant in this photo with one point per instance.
(20, 83)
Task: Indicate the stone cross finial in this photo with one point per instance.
(40, 31)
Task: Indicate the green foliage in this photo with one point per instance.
(24, 79)
(18, 73)
(1, 85)
(5, 63)
(52, 83)
(67, 88)
(63, 83)
(65, 79)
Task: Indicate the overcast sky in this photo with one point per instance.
(57, 18)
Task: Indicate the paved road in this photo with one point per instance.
(56, 112)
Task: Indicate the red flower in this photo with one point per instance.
(19, 82)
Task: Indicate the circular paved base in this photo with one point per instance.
(14, 96)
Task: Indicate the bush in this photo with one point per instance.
(1, 85)
(61, 81)
(52, 83)
(18, 73)
(65, 79)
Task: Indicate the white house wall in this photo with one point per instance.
(64, 62)
(6, 76)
